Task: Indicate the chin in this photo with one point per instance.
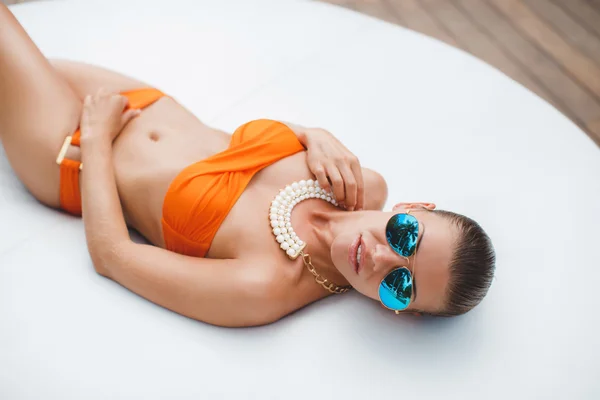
(339, 255)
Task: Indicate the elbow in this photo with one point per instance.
(105, 257)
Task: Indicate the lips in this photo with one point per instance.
(352, 253)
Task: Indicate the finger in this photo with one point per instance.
(349, 186)
(337, 182)
(124, 101)
(321, 175)
(88, 100)
(360, 184)
(129, 115)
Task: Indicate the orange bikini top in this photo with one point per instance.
(201, 196)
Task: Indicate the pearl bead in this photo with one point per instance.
(280, 212)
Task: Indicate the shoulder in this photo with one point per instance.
(277, 287)
(267, 285)
(376, 189)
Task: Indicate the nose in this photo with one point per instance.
(385, 258)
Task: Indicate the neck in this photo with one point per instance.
(324, 224)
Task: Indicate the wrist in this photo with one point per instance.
(95, 141)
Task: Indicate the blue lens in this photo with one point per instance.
(402, 231)
(395, 290)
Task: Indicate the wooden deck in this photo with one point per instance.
(550, 46)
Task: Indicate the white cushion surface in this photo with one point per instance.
(439, 124)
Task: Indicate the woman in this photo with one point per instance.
(225, 248)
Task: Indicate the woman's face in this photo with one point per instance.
(429, 264)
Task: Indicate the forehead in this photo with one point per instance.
(432, 260)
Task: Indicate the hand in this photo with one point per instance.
(103, 115)
(336, 168)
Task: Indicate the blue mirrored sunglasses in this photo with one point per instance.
(396, 288)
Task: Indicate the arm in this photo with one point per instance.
(220, 292)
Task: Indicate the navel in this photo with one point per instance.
(154, 136)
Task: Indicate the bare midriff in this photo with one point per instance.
(166, 138)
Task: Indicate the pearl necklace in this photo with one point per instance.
(280, 215)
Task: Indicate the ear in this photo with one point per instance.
(408, 206)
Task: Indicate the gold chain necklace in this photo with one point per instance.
(280, 214)
(332, 287)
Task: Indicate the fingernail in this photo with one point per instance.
(351, 208)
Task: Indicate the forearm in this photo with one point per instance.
(105, 227)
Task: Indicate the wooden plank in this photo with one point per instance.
(582, 11)
(412, 15)
(584, 70)
(469, 37)
(378, 9)
(343, 3)
(570, 29)
(594, 128)
(594, 3)
(575, 102)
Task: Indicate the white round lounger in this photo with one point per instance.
(439, 124)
